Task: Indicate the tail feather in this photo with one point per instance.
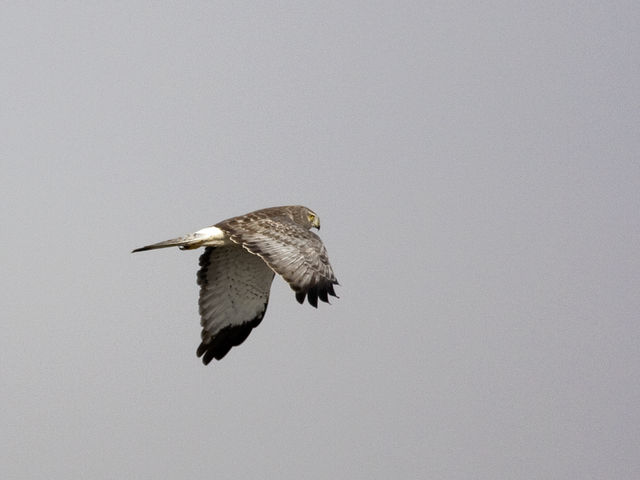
(210, 236)
(174, 242)
(185, 243)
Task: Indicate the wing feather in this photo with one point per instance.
(234, 293)
(289, 249)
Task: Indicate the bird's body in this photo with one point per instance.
(241, 256)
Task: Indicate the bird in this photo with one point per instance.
(241, 257)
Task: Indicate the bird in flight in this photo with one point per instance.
(240, 258)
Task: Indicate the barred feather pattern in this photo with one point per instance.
(288, 248)
(234, 293)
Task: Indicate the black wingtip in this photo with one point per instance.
(312, 296)
(227, 338)
(207, 356)
(323, 296)
(317, 292)
(300, 297)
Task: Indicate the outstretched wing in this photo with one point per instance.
(234, 293)
(291, 251)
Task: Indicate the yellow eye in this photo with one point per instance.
(314, 221)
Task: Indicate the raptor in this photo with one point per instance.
(241, 257)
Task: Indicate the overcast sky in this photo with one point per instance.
(475, 165)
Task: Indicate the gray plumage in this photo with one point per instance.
(238, 265)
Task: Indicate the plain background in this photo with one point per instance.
(476, 169)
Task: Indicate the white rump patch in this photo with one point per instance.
(212, 237)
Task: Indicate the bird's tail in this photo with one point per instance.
(209, 236)
(185, 243)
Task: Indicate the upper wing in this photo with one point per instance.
(291, 251)
(234, 292)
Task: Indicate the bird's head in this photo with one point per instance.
(314, 220)
(306, 217)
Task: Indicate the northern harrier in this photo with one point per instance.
(238, 265)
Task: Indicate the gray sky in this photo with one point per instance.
(476, 166)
